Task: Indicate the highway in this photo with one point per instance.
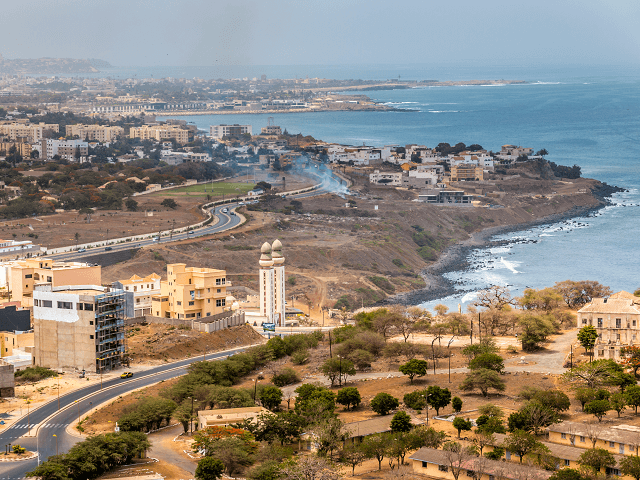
(74, 405)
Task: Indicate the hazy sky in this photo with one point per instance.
(283, 32)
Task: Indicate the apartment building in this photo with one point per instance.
(191, 292)
(512, 152)
(271, 130)
(98, 133)
(27, 132)
(79, 327)
(23, 276)
(466, 172)
(617, 321)
(160, 133)
(144, 289)
(67, 149)
(18, 340)
(220, 131)
(393, 179)
(22, 148)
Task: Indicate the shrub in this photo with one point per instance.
(415, 400)
(34, 374)
(300, 357)
(383, 403)
(364, 340)
(396, 349)
(361, 358)
(383, 284)
(286, 376)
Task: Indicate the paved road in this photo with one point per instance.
(161, 449)
(79, 402)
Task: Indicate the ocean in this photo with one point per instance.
(584, 117)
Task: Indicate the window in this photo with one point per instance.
(582, 439)
(46, 303)
(633, 323)
(49, 279)
(65, 305)
(220, 302)
(91, 337)
(507, 455)
(618, 337)
(208, 300)
(618, 323)
(218, 281)
(563, 435)
(424, 464)
(88, 307)
(219, 290)
(208, 314)
(567, 462)
(599, 323)
(179, 303)
(584, 321)
(90, 322)
(443, 468)
(612, 444)
(191, 304)
(471, 473)
(28, 276)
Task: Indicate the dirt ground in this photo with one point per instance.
(154, 343)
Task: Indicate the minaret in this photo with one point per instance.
(279, 293)
(267, 280)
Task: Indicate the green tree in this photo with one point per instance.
(486, 345)
(632, 395)
(169, 203)
(353, 454)
(593, 374)
(131, 205)
(438, 397)
(522, 443)
(460, 424)
(282, 426)
(618, 402)
(585, 395)
(567, 474)
(596, 459)
(401, 422)
(423, 436)
(415, 399)
(271, 397)
(414, 368)
(50, 470)
(185, 414)
(554, 399)
(349, 396)
(456, 404)
(209, 469)
(598, 408)
(587, 337)
(383, 403)
(630, 465)
(535, 330)
(483, 379)
(337, 369)
(490, 361)
(375, 446)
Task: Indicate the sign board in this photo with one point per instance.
(268, 327)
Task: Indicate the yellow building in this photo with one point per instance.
(160, 132)
(15, 340)
(191, 292)
(24, 275)
(28, 132)
(223, 417)
(23, 149)
(99, 133)
(467, 172)
(144, 289)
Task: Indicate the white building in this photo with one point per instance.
(219, 131)
(143, 289)
(393, 179)
(272, 301)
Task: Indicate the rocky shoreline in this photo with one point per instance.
(454, 258)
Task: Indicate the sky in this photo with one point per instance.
(325, 32)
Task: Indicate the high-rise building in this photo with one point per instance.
(272, 286)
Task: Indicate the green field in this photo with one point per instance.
(215, 189)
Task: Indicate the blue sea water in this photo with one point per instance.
(581, 117)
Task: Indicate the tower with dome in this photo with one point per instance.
(272, 283)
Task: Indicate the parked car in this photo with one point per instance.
(108, 248)
(126, 375)
(82, 250)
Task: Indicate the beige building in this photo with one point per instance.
(228, 416)
(144, 289)
(220, 131)
(617, 321)
(160, 133)
(15, 340)
(79, 327)
(27, 132)
(23, 149)
(23, 276)
(98, 133)
(467, 172)
(191, 293)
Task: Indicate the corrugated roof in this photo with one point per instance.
(617, 435)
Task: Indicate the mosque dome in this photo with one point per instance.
(277, 245)
(276, 254)
(265, 258)
(266, 248)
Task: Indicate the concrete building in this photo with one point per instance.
(79, 327)
(144, 289)
(191, 293)
(445, 197)
(222, 417)
(617, 321)
(272, 284)
(23, 276)
(220, 131)
(512, 152)
(17, 247)
(15, 342)
(7, 379)
(22, 148)
(98, 133)
(420, 178)
(13, 317)
(27, 132)
(393, 179)
(271, 130)
(160, 133)
(466, 172)
(67, 149)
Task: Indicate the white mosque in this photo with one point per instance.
(272, 294)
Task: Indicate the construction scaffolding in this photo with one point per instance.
(110, 343)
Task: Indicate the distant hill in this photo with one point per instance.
(50, 66)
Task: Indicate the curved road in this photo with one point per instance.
(74, 405)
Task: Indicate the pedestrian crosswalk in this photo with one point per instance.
(46, 425)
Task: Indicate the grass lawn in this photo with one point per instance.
(215, 189)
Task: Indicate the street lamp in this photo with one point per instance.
(28, 420)
(58, 376)
(56, 443)
(100, 366)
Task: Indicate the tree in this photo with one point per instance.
(495, 297)
(456, 404)
(456, 457)
(535, 329)
(283, 426)
(587, 337)
(481, 439)
(598, 408)
(349, 396)
(375, 446)
(632, 395)
(337, 369)
(483, 380)
(383, 403)
(415, 399)
(271, 397)
(401, 422)
(521, 443)
(546, 299)
(630, 465)
(490, 425)
(209, 469)
(328, 435)
(631, 355)
(567, 474)
(585, 395)
(460, 424)
(536, 416)
(542, 153)
(592, 374)
(169, 203)
(490, 361)
(554, 399)
(414, 368)
(131, 205)
(422, 436)
(618, 402)
(486, 345)
(576, 294)
(309, 467)
(353, 454)
(438, 397)
(596, 459)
